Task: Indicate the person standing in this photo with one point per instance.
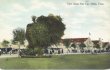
(0, 51)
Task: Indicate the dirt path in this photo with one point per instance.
(8, 55)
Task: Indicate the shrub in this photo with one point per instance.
(28, 52)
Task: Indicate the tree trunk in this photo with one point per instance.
(19, 49)
(68, 50)
(40, 51)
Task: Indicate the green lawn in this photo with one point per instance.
(80, 61)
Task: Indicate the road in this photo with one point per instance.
(8, 55)
(16, 55)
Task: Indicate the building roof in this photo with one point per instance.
(76, 39)
(105, 43)
(95, 41)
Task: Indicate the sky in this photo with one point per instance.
(80, 20)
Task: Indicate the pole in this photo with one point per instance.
(89, 34)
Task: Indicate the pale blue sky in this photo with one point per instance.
(79, 20)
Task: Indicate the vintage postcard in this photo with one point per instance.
(54, 34)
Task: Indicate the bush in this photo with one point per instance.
(40, 51)
(31, 53)
(28, 52)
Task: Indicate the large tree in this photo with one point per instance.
(73, 45)
(44, 31)
(97, 46)
(5, 43)
(19, 36)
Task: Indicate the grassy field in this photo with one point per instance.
(80, 61)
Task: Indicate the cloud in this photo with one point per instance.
(14, 10)
(37, 4)
(16, 7)
(9, 20)
(6, 32)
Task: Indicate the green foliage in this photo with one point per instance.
(14, 42)
(34, 19)
(5, 43)
(37, 35)
(97, 46)
(82, 45)
(18, 35)
(39, 51)
(28, 52)
(46, 31)
(73, 45)
(67, 43)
